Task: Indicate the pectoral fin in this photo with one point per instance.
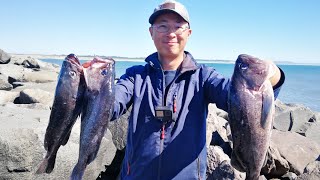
(267, 107)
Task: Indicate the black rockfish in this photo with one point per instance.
(251, 114)
(67, 106)
(97, 111)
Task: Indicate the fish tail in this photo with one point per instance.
(77, 172)
(47, 165)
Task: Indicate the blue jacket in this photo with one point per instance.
(175, 149)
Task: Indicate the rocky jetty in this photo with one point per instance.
(27, 88)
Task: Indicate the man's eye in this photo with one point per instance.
(163, 26)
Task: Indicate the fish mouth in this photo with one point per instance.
(74, 61)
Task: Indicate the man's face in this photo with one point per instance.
(171, 43)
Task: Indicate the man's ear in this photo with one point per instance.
(190, 32)
(151, 31)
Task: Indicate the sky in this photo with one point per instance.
(279, 30)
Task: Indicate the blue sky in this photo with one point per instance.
(280, 30)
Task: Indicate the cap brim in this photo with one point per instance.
(154, 16)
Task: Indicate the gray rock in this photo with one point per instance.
(4, 84)
(276, 165)
(292, 117)
(226, 172)
(4, 57)
(40, 76)
(13, 72)
(313, 132)
(31, 63)
(21, 147)
(119, 129)
(296, 149)
(8, 96)
(289, 176)
(215, 156)
(17, 73)
(29, 96)
(312, 167)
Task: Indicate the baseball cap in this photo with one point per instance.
(170, 6)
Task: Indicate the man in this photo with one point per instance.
(169, 98)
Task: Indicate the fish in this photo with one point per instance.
(251, 113)
(66, 108)
(97, 110)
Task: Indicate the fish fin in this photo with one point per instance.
(47, 165)
(92, 157)
(267, 103)
(65, 140)
(42, 167)
(236, 163)
(77, 172)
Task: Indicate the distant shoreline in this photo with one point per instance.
(141, 59)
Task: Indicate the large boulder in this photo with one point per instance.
(29, 96)
(17, 73)
(21, 146)
(293, 117)
(4, 57)
(4, 84)
(297, 150)
(219, 165)
(8, 96)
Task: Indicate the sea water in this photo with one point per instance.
(302, 84)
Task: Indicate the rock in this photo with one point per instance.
(20, 74)
(4, 84)
(312, 167)
(4, 57)
(31, 63)
(296, 149)
(313, 132)
(289, 176)
(8, 96)
(217, 127)
(276, 165)
(215, 156)
(13, 72)
(219, 167)
(40, 76)
(21, 147)
(29, 96)
(311, 172)
(119, 129)
(292, 117)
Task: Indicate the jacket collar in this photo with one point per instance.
(187, 64)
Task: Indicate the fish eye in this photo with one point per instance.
(72, 73)
(104, 72)
(243, 66)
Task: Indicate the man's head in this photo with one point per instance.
(170, 6)
(170, 29)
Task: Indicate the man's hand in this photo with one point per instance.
(277, 74)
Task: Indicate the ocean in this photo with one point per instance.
(302, 84)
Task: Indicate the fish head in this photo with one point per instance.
(98, 73)
(252, 71)
(71, 74)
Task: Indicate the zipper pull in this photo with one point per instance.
(162, 132)
(174, 103)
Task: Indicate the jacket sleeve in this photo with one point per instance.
(216, 88)
(123, 93)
